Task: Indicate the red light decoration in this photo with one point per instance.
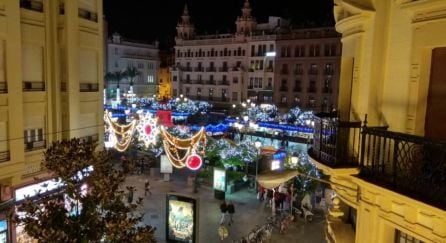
(194, 162)
(148, 129)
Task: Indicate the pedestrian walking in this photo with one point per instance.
(224, 211)
(147, 187)
(130, 195)
(261, 193)
(231, 211)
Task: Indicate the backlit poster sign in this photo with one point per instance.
(219, 179)
(181, 219)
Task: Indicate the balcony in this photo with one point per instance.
(298, 72)
(284, 71)
(328, 72)
(211, 82)
(211, 69)
(312, 71)
(268, 87)
(283, 88)
(88, 87)
(250, 86)
(223, 69)
(297, 89)
(87, 15)
(35, 145)
(407, 164)
(199, 82)
(33, 86)
(199, 69)
(223, 83)
(269, 69)
(327, 90)
(91, 138)
(32, 5)
(4, 156)
(187, 81)
(311, 90)
(187, 69)
(3, 87)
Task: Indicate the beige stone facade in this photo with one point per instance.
(123, 53)
(248, 64)
(51, 79)
(392, 69)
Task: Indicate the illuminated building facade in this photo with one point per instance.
(51, 79)
(258, 62)
(385, 154)
(123, 53)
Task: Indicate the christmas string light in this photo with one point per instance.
(125, 132)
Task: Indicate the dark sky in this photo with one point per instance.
(148, 20)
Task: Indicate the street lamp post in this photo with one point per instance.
(294, 160)
(258, 144)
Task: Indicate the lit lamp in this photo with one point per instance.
(233, 106)
(257, 144)
(245, 118)
(294, 160)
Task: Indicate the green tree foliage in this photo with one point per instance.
(99, 213)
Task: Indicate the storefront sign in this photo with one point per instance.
(181, 219)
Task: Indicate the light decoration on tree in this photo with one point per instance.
(184, 152)
(120, 136)
(148, 130)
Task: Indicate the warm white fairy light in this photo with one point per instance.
(120, 136)
(148, 130)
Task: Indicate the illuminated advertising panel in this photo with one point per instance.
(166, 166)
(181, 219)
(219, 179)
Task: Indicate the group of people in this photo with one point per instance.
(131, 189)
(227, 207)
(276, 197)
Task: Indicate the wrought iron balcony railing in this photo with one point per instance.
(88, 87)
(4, 156)
(35, 145)
(3, 87)
(32, 5)
(336, 143)
(410, 165)
(33, 86)
(88, 15)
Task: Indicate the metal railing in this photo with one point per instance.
(311, 89)
(283, 88)
(297, 89)
(3, 87)
(88, 87)
(33, 86)
(408, 164)
(35, 145)
(336, 143)
(85, 14)
(4, 156)
(32, 5)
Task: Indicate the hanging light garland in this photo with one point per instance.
(184, 152)
(120, 136)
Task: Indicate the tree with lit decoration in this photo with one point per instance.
(90, 206)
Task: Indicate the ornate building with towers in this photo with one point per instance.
(265, 62)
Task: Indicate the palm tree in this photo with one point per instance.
(116, 76)
(131, 72)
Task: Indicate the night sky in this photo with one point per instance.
(150, 20)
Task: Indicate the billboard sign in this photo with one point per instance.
(181, 219)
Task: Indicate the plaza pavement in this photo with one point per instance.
(249, 212)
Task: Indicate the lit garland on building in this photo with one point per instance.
(184, 152)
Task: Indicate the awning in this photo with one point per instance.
(273, 179)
